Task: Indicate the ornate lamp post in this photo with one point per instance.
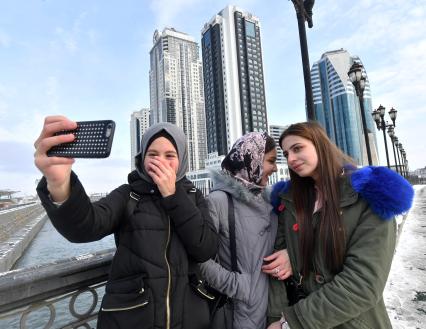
(378, 116)
(358, 80)
(304, 13)
(404, 159)
(395, 140)
(392, 114)
(401, 151)
(406, 165)
(391, 133)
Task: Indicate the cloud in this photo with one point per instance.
(19, 157)
(69, 38)
(6, 94)
(167, 11)
(52, 86)
(4, 39)
(385, 27)
(20, 127)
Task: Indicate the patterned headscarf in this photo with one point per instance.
(245, 159)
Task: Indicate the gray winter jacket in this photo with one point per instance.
(255, 230)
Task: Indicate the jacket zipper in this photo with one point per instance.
(169, 277)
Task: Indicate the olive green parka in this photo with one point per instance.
(353, 298)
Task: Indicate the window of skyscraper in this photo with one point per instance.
(250, 29)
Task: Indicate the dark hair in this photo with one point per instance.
(329, 169)
(270, 144)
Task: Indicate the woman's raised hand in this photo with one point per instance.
(56, 170)
(163, 175)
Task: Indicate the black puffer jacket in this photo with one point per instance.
(148, 283)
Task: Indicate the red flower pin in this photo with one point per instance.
(281, 207)
(295, 227)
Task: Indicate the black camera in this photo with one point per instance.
(294, 290)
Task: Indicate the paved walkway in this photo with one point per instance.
(405, 293)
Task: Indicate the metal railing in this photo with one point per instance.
(62, 294)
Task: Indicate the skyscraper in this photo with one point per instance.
(139, 122)
(275, 132)
(233, 78)
(337, 105)
(176, 89)
(282, 172)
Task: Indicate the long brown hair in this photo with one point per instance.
(331, 232)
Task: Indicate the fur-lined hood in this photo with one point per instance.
(223, 182)
(387, 192)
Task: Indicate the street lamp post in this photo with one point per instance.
(405, 162)
(391, 133)
(378, 116)
(304, 13)
(358, 79)
(397, 153)
(401, 152)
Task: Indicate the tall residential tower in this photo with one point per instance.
(233, 78)
(275, 132)
(176, 89)
(139, 122)
(337, 105)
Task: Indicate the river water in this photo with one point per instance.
(50, 246)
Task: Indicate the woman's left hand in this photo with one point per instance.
(163, 175)
(278, 265)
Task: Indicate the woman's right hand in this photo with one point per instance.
(278, 265)
(56, 170)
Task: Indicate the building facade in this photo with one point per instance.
(233, 78)
(176, 89)
(202, 178)
(139, 123)
(275, 132)
(337, 105)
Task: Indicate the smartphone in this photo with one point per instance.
(93, 139)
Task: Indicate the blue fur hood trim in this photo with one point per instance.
(387, 192)
(278, 189)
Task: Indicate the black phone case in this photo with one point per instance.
(93, 139)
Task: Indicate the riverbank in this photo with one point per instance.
(19, 227)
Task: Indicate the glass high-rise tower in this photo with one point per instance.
(139, 123)
(176, 89)
(233, 78)
(337, 106)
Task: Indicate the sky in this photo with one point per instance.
(89, 60)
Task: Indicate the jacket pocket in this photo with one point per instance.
(123, 302)
(127, 310)
(129, 284)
